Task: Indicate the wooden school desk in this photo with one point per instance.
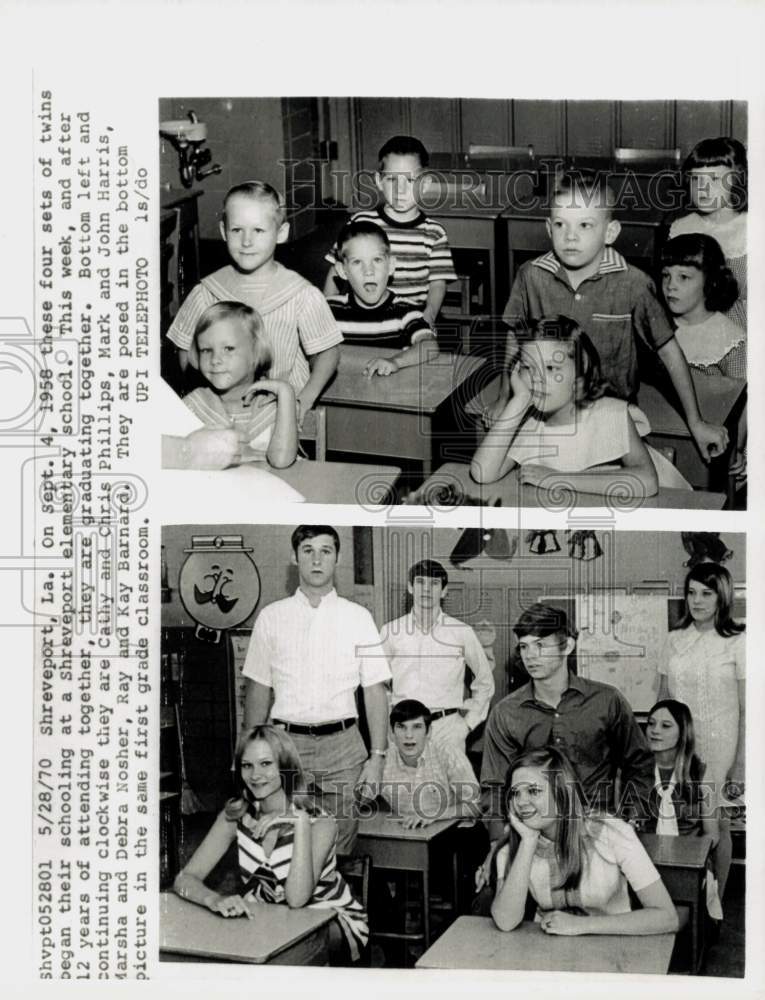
(475, 943)
(721, 401)
(340, 482)
(393, 848)
(511, 493)
(394, 415)
(276, 935)
(682, 864)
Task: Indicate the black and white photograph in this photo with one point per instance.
(446, 749)
(465, 300)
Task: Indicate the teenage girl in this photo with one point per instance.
(680, 805)
(286, 848)
(231, 352)
(577, 867)
(715, 176)
(560, 420)
(704, 667)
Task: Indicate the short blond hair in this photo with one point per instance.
(259, 191)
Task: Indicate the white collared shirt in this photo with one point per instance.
(430, 666)
(315, 658)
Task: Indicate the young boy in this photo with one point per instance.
(584, 278)
(428, 652)
(424, 781)
(297, 320)
(423, 259)
(369, 313)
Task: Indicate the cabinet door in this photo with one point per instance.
(434, 120)
(697, 120)
(590, 128)
(376, 119)
(485, 122)
(540, 124)
(646, 124)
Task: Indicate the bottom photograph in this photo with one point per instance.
(440, 748)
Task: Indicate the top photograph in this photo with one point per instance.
(448, 301)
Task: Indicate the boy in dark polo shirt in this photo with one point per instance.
(592, 723)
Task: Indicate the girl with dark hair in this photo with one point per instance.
(698, 287)
(715, 175)
(286, 846)
(559, 419)
(704, 667)
(578, 867)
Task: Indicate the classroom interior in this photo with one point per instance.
(635, 578)
(494, 161)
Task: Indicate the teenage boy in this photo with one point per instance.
(310, 652)
(584, 278)
(428, 652)
(590, 722)
(424, 781)
(298, 323)
(424, 263)
(369, 313)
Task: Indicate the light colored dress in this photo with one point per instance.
(598, 436)
(731, 236)
(702, 670)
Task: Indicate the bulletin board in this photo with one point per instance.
(621, 639)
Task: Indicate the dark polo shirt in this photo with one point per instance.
(593, 726)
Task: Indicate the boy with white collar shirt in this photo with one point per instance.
(428, 651)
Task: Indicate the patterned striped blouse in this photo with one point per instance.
(297, 318)
(264, 877)
(420, 247)
(254, 425)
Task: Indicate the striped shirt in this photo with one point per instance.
(264, 877)
(442, 777)
(393, 322)
(254, 425)
(614, 307)
(420, 248)
(297, 319)
(315, 658)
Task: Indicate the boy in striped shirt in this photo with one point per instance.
(369, 312)
(419, 245)
(298, 323)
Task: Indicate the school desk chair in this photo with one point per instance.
(315, 429)
(636, 156)
(356, 869)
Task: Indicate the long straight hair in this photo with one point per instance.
(687, 764)
(718, 579)
(570, 833)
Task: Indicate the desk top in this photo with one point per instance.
(510, 493)
(188, 929)
(339, 482)
(475, 943)
(419, 389)
(717, 395)
(390, 828)
(677, 852)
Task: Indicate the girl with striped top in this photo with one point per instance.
(231, 352)
(286, 846)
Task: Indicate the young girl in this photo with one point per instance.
(286, 847)
(704, 667)
(715, 175)
(230, 351)
(560, 420)
(680, 804)
(577, 867)
(698, 288)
